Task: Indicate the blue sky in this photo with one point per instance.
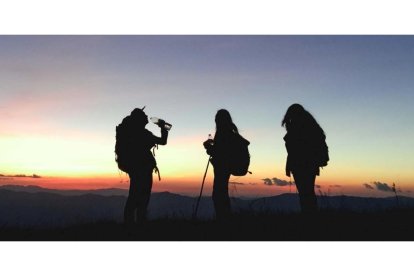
(71, 91)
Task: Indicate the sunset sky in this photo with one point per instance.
(61, 98)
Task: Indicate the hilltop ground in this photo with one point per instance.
(392, 225)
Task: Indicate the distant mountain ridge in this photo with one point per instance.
(33, 206)
(37, 189)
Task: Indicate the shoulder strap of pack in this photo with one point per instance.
(241, 138)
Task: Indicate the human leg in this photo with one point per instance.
(144, 194)
(138, 197)
(220, 195)
(305, 183)
(131, 203)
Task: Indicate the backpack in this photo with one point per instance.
(131, 151)
(240, 156)
(322, 155)
(122, 155)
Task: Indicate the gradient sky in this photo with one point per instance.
(62, 96)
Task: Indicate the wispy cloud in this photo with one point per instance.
(383, 186)
(241, 183)
(276, 181)
(380, 186)
(267, 181)
(367, 186)
(19, 175)
(280, 182)
(335, 186)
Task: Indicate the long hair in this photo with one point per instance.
(297, 117)
(224, 121)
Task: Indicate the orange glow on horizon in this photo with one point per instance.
(191, 186)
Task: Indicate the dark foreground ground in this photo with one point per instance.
(393, 225)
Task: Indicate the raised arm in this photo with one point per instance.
(164, 134)
(163, 139)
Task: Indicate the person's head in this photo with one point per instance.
(139, 117)
(224, 121)
(298, 117)
(294, 115)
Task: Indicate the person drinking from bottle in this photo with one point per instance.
(133, 151)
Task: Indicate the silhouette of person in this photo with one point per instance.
(218, 149)
(141, 165)
(303, 142)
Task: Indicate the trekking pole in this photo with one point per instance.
(201, 191)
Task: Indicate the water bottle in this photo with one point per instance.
(208, 143)
(156, 121)
(210, 139)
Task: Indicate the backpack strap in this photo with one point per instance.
(158, 172)
(156, 167)
(153, 149)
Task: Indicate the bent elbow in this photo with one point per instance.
(163, 143)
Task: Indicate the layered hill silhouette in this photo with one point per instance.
(36, 207)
